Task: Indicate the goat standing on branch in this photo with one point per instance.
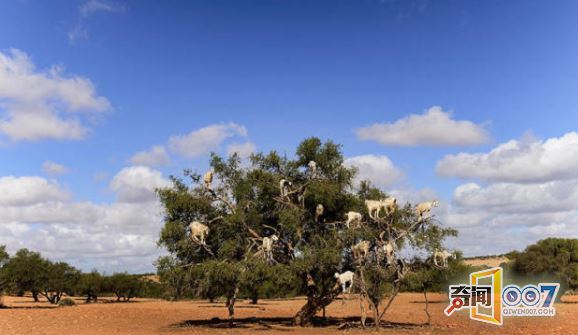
(343, 279)
(199, 232)
(352, 217)
(425, 208)
(208, 179)
(319, 210)
(312, 169)
(443, 255)
(361, 250)
(284, 188)
(268, 244)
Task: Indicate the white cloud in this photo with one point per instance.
(37, 105)
(22, 191)
(137, 184)
(85, 10)
(156, 156)
(39, 214)
(526, 160)
(500, 217)
(204, 140)
(503, 198)
(380, 170)
(54, 169)
(433, 128)
(244, 150)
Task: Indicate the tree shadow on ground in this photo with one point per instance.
(286, 323)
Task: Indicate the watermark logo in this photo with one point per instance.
(488, 302)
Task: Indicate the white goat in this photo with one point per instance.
(352, 217)
(312, 168)
(389, 204)
(199, 231)
(284, 187)
(345, 278)
(424, 208)
(319, 210)
(443, 255)
(361, 250)
(268, 243)
(373, 206)
(208, 179)
(389, 251)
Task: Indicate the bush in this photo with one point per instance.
(66, 302)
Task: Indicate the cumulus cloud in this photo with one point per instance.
(37, 105)
(433, 128)
(54, 169)
(244, 150)
(525, 160)
(515, 214)
(380, 170)
(40, 214)
(204, 140)
(85, 10)
(137, 184)
(554, 196)
(156, 156)
(22, 191)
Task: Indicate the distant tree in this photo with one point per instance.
(124, 286)
(555, 258)
(173, 276)
(4, 257)
(26, 271)
(90, 285)
(61, 278)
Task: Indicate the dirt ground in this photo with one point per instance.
(143, 317)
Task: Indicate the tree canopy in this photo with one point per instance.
(287, 213)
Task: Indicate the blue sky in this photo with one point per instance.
(283, 71)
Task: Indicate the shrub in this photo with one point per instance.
(66, 302)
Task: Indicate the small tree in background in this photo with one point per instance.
(4, 257)
(173, 276)
(26, 271)
(548, 259)
(90, 285)
(124, 286)
(61, 278)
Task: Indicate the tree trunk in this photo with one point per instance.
(255, 298)
(35, 295)
(314, 304)
(231, 304)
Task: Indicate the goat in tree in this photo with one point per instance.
(199, 232)
(319, 212)
(352, 217)
(208, 179)
(361, 250)
(268, 244)
(345, 278)
(284, 188)
(425, 208)
(443, 255)
(312, 169)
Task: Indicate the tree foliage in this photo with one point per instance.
(245, 206)
(551, 258)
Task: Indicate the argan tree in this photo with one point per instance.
(26, 271)
(90, 285)
(60, 278)
(290, 213)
